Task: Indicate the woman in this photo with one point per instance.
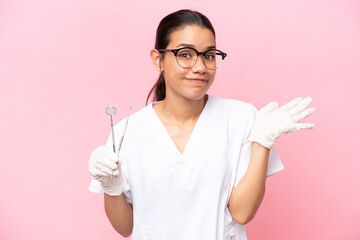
(191, 166)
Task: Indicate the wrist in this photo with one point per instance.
(255, 146)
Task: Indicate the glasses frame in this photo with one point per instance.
(175, 52)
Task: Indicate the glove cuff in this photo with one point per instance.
(266, 142)
(115, 188)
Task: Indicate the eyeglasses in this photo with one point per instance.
(187, 57)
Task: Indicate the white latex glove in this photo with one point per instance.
(272, 122)
(105, 167)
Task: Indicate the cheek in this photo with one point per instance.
(168, 62)
(172, 71)
(212, 76)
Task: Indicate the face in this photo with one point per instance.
(190, 83)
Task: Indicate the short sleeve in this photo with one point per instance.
(274, 164)
(95, 186)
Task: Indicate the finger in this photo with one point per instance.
(105, 158)
(106, 162)
(101, 163)
(303, 114)
(116, 172)
(299, 126)
(291, 104)
(97, 174)
(300, 106)
(104, 171)
(269, 107)
(107, 152)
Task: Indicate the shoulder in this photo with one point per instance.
(232, 107)
(139, 116)
(238, 117)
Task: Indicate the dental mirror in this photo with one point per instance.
(111, 111)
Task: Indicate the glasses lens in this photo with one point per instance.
(186, 57)
(213, 59)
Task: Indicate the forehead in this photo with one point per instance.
(200, 37)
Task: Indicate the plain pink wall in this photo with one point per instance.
(63, 62)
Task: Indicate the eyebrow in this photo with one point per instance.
(191, 45)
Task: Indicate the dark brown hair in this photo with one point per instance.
(167, 25)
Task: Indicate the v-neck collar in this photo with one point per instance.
(193, 133)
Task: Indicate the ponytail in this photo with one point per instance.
(158, 90)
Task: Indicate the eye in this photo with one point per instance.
(185, 55)
(211, 55)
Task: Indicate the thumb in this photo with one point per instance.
(269, 107)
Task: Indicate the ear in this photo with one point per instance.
(156, 57)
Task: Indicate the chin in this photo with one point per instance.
(195, 96)
(190, 93)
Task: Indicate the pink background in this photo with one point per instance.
(63, 62)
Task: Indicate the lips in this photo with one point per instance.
(197, 79)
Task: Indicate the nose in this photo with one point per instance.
(199, 65)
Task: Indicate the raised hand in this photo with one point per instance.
(272, 122)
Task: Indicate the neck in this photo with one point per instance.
(180, 109)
